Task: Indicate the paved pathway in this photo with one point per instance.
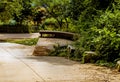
(18, 65)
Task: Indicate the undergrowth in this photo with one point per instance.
(29, 42)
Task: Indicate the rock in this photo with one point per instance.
(70, 48)
(118, 65)
(89, 57)
(45, 45)
(41, 51)
(70, 51)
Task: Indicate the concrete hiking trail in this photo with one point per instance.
(17, 64)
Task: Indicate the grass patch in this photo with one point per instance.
(29, 42)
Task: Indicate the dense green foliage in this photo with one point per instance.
(25, 12)
(29, 42)
(100, 31)
(14, 29)
(17, 28)
(8, 8)
(98, 23)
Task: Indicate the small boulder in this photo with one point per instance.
(118, 65)
(70, 49)
(41, 51)
(89, 57)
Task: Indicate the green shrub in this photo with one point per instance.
(16, 29)
(107, 44)
(101, 35)
(28, 42)
(105, 63)
(77, 54)
(59, 51)
(90, 57)
(49, 24)
(106, 35)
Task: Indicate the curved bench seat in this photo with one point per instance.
(57, 34)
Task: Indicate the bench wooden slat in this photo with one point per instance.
(58, 34)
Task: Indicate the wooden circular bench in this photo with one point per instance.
(57, 34)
